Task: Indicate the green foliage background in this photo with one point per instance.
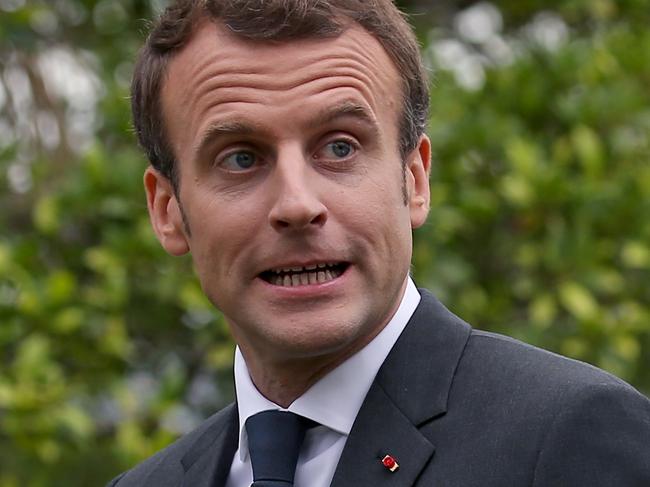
(539, 225)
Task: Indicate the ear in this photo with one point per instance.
(165, 213)
(418, 168)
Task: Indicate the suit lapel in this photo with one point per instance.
(411, 388)
(207, 462)
(383, 431)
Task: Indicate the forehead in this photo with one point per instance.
(220, 76)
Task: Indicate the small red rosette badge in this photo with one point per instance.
(390, 463)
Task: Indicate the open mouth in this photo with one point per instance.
(303, 276)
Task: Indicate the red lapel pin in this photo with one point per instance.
(390, 463)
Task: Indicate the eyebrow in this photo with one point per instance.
(346, 109)
(222, 129)
(324, 117)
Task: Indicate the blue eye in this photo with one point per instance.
(339, 153)
(340, 148)
(241, 160)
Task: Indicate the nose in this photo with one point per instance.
(297, 204)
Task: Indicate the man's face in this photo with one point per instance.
(292, 187)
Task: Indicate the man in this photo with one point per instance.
(288, 155)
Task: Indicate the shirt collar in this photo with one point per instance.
(334, 401)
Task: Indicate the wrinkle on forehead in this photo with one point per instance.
(215, 69)
(222, 43)
(246, 70)
(220, 94)
(326, 72)
(285, 80)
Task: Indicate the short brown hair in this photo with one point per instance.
(278, 20)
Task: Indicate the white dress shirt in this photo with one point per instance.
(333, 402)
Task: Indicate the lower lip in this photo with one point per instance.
(307, 290)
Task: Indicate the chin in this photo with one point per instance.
(333, 339)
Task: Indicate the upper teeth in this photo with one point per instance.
(310, 267)
(303, 276)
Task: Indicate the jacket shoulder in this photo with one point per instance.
(525, 416)
(167, 463)
(510, 360)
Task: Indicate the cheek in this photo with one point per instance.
(216, 235)
(379, 218)
(223, 222)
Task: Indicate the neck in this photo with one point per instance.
(285, 380)
(284, 383)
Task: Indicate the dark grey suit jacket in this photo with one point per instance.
(458, 408)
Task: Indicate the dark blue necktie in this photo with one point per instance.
(274, 440)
